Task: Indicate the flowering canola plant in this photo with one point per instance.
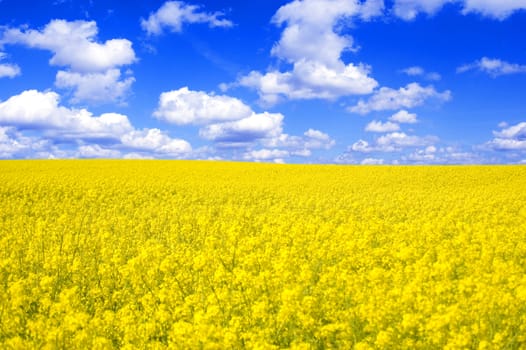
(211, 255)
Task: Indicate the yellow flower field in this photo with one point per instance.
(212, 255)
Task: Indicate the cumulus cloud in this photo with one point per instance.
(426, 155)
(372, 161)
(184, 106)
(392, 142)
(310, 29)
(174, 14)
(509, 138)
(494, 67)
(37, 110)
(74, 45)
(233, 126)
(396, 140)
(417, 71)
(442, 155)
(90, 64)
(404, 117)
(409, 9)
(313, 45)
(311, 80)
(8, 70)
(498, 9)
(96, 151)
(378, 126)
(300, 146)
(14, 144)
(155, 140)
(95, 87)
(406, 97)
(41, 113)
(264, 154)
(256, 126)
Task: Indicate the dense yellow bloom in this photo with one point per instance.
(191, 255)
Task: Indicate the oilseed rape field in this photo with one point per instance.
(215, 255)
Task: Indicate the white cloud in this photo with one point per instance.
(256, 126)
(301, 146)
(442, 155)
(184, 106)
(92, 68)
(309, 32)
(378, 126)
(406, 97)
(96, 151)
(74, 45)
(231, 124)
(417, 71)
(313, 45)
(372, 161)
(266, 154)
(135, 155)
(392, 142)
(311, 80)
(361, 146)
(493, 67)
(317, 139)
(509, 138)
(174, 14)
(409, 9)
(404, 117)
(14, 144)
(500, 144)
(155, 140)
(499, 9)
(95, 87)
(396, 140)
(41, 111)
(413, 71)
(9, 70)
(517, 131)
(426, 155)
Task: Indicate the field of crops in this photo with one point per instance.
(181, 254)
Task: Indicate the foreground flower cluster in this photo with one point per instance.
(155, 254)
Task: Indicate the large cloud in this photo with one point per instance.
(309, 80)
(174, 14)
(74, 45)
(92, 67)
(49, 123)
(314, 47)
(41, 111)
(184, 106)
(231, 124)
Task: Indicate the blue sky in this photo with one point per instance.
(310, 81)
